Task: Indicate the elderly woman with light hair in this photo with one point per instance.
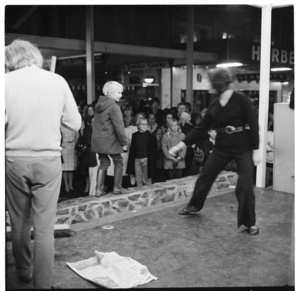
(109, 137)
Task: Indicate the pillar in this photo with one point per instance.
(189, 54)
(264, 87)
(90, 64)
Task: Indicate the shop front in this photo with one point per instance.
(247, 74)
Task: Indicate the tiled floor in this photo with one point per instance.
(200, 250)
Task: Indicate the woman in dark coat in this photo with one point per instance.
(109, 137)
(88, 158)
(160, 173)
(237, 127)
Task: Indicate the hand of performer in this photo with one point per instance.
(256, 157)
(124, 148)
(175, 149)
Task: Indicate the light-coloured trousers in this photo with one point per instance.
(141, 172)
(93, 178)
(32, 189)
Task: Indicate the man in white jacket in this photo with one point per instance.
(37, 104)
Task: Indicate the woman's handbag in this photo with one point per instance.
(81, 144)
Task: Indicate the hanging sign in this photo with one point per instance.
(275, 77)
(278, 56)
(78, 61)
(146, 65)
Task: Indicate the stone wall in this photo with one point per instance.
(88, 208)
(81, 209)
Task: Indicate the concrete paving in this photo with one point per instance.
(200, 250)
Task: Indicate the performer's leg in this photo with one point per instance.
(213, 166)
(244, 189)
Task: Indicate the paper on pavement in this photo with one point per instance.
(112, 271)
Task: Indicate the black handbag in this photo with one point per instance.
(81, 144)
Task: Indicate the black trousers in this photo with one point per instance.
(174, 174)
(244, 188)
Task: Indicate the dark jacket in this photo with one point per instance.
(88, 158)
(237, 112)
(207, 148)
(108, 130)
(152, 154)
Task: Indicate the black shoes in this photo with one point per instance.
(253, 230)
(187, 210)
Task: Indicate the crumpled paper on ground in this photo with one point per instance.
(111, 270)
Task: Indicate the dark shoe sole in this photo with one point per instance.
(184, 211)
(253, 231)
(187, 211)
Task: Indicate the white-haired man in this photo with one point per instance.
(37, 104)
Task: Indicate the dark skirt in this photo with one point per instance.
(88, 159)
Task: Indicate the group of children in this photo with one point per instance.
(149, 159)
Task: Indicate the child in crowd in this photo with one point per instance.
(109, 136)
(209, 144)
(152, 125)
(173, 165)
(142, 154)
(127, 115)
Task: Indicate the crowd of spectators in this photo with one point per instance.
(166, 127)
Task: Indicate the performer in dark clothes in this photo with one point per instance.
(237, 138)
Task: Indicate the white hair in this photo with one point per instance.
(111, 86)
(21, 53)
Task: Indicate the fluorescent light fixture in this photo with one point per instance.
(149, 80)
(285, 83)
(280, 69)
(230, 65)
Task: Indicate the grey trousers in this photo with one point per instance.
(32, 189)
(141, 172)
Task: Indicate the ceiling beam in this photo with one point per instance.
(272, 5)
(24, 17)
(106, 47)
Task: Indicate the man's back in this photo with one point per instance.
(37, 103)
